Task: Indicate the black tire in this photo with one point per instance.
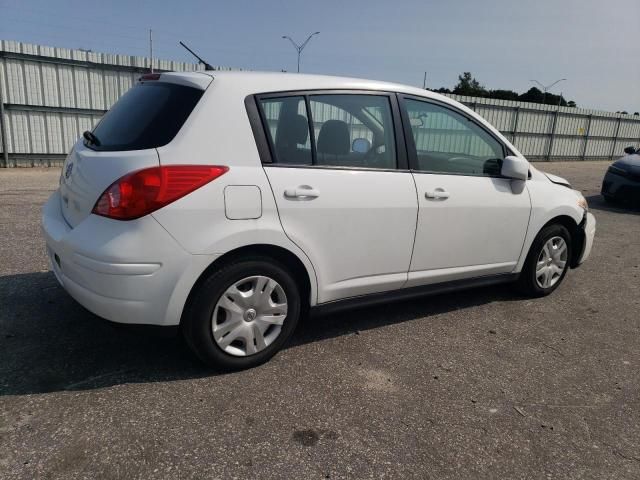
(609, 199)
(527, 283)
(197, 322)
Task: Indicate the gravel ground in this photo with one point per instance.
(479, 384)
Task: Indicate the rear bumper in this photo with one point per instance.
(126, 272)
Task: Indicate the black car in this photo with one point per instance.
(621, 183)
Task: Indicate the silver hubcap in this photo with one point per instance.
(249, 316)
(551, 262)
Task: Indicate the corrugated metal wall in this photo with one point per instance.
(546, 132)
(51, 95)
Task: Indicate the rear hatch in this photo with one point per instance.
(148, 116)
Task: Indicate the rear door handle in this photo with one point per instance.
(436, 194)
(302, 192)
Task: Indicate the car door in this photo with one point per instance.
(471, 221)
(344, 193)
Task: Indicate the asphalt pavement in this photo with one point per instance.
(477, 384)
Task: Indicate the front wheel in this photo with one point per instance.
(243, 314)
(547, 262)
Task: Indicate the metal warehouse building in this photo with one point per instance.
(50, 95)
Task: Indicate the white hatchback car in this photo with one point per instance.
(229, 204)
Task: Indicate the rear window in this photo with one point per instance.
(148, 116)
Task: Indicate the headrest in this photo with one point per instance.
(292, 131)
(334, 138)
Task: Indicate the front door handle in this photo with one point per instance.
(302, 192)
(436, 194)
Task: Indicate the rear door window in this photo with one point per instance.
(331, 130)
(353, 131)
(148, 116)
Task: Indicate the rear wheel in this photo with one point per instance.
(243, 313)
(547, 262)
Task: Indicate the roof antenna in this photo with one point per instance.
(200, 60)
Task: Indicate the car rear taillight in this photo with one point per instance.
(142, 192)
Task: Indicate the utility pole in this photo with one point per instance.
(424, 81)
(151, 49)
(299, 48)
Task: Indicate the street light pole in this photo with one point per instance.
(545, 89)
(299, 48)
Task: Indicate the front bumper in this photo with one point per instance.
(127, 272)
(589, 229)
(621, 188)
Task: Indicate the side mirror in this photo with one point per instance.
(361, 145)
(514, 167)
(630, 150)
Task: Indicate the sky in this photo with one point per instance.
(594, 44)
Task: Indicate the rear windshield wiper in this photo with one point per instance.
(91, 138)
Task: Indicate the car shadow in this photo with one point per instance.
(597, 202)
(49, 343)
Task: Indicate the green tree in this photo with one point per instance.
(503, 94)
(468, 85)
(534, 95)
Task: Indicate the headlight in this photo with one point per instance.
(618, 170)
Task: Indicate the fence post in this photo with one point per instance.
(615, 138)
(553, 134)
(586, 138)
(514, 129)
(3, 129)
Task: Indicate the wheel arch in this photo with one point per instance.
(577, 235)
(289, 259)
